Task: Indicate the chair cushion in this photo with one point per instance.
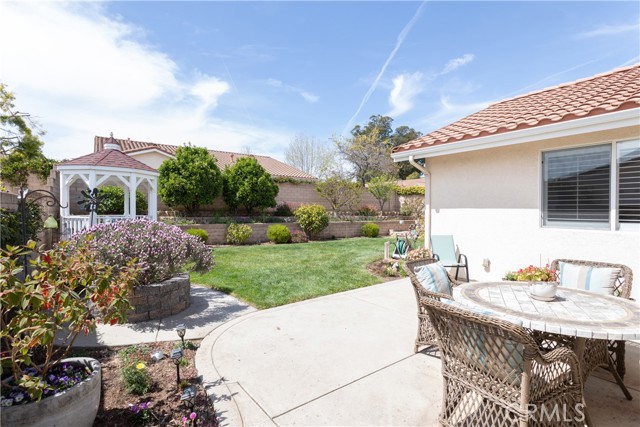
(433, 277)
(597, 279)
(501, 358)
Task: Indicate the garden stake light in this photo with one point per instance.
(189, 399)
(176, 355)
(181, 329)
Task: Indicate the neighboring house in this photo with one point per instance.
(550, 174)
(153, 154)
(290, 180)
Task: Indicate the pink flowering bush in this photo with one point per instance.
(160, 250)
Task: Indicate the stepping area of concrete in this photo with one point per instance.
(347, 359)
(340, 360)
(208, 310)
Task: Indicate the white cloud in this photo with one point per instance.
(80, 74)
(457, 63)
(610, 30)
(405, 88)
(308, 96)
(209, 89)
(449, 112)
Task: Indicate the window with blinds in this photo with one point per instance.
(577, 186)
(629, 182)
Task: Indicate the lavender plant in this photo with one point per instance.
(160, 250)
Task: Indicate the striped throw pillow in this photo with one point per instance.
(434, 278)
(597, 279)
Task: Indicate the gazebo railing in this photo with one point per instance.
(70, 225)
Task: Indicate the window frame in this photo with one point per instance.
(614, 223)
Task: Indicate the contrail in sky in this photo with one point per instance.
(552, 76)
(405, 31)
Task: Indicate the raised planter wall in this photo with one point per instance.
(159, 300)
(218, 232)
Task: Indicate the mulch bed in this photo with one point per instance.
(165, 407)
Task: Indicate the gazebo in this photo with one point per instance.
(109, 166)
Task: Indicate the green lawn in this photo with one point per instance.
(272, 275)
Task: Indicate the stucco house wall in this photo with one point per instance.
(150, 158)
(490, 201)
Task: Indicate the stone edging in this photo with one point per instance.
(159, 300)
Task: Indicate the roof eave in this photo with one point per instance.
(136, 151)
(608, 121)
(73, 168)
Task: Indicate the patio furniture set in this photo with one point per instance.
(510, 358)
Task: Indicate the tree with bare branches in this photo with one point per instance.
(309, 155)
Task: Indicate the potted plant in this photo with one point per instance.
(67, 293)
(542, 280)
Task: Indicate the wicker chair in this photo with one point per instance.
(426, 335)
(607, 354)
(495, 375)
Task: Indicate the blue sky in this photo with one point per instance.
(240, 76)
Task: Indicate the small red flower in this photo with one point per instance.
(113, 321)
(47, 258)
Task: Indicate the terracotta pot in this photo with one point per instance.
(76, 406)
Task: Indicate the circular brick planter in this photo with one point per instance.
(160, 300)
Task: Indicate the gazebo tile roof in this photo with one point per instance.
(108, 158)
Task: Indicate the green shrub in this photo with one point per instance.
(366, 210)
(414, 190)
(278, 234)
(11, 224)
(237, 234)
(112, 201)
(370, 230)
(136, 379)
(298, 236)
(312, 219)
(283, 209)
(199, 233)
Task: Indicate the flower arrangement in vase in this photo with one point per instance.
(542, 280)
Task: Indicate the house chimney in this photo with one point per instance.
(231, 155)
(112, 144)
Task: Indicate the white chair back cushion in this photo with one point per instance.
(597, 279)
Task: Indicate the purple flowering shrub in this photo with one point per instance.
(160, 250)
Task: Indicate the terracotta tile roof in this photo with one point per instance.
(109, 158)
(276, 168)
(616, 90)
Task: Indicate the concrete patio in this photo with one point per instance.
(347, 359)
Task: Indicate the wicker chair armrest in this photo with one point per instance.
(561, 355)
(436, 295)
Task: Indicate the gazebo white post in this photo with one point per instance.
(126, 201)
(152, 197)
(132, 195)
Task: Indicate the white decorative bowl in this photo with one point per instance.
(544, 289)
